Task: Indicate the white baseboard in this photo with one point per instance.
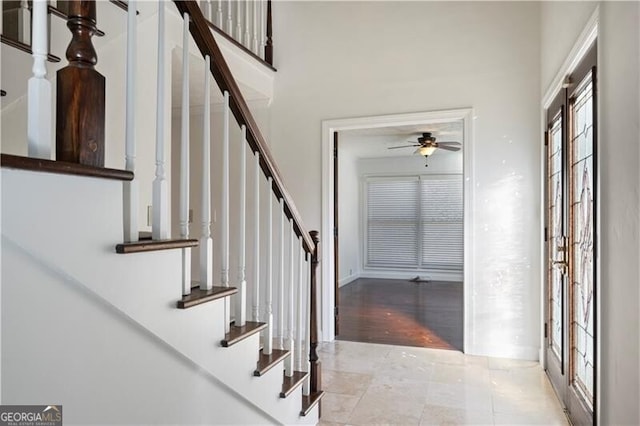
(348, 279)
(407, 275)
(529, 353)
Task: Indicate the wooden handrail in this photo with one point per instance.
(203, 38)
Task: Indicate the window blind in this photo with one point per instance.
(414, 222)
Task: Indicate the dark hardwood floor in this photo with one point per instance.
(398, 312)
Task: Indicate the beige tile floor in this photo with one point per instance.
(369, 384)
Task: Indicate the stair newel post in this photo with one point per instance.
(224, 222)
(160, 197)
(206, 242)
(39, 89)
(268, 337)
(268, 47)
(184, 159)
(80, 92)
(301, 304)
(306, 387)
(131, 188)
(316, 382)
(281, 280)
(290, 361)
(241, 296)
(256, 239)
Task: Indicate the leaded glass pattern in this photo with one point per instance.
(555, 235)
(582, 232)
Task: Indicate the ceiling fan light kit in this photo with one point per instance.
(425, 150)
(427, 145)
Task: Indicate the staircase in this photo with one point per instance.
(117, 324)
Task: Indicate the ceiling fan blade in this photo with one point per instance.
(450, 143)
(403, 146)
(449, 148)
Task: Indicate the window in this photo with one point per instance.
(414, 222)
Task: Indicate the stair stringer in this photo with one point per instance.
(86, 215)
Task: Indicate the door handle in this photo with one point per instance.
(560, 264)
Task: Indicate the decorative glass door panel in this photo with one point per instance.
(582, 240)
(557, 250)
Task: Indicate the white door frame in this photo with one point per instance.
(327, 325)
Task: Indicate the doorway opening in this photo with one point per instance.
(397, 263)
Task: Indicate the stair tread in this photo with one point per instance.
(310, 401)
(62, 167)
(289, 384)
(199, 296)
(155, 245)
(237, 334)
(267, 362)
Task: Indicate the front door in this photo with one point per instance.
(570, 327)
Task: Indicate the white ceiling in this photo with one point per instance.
(374, 142)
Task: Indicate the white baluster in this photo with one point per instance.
(268, 338)
(238, 21)
(205, 5)
(254, 43)
(306, 386)
(206, 242)
(281, 281)
(247, 24)
(289, 363)
(229, 18)
(300, 323)
(39, 89)
(131, 188)
(160, 219)
(24, 22)
(262, 29)
(184, 160)
(224, 222)
(256, 240)
(219, 15)
(241, 296)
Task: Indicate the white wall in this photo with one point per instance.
(349, 212)
(480, 55)
(619, 162)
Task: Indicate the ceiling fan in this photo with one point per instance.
(427, 145)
